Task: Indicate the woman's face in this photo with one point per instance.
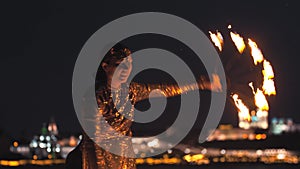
(118, 71)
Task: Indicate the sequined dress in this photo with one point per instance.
(116, 110)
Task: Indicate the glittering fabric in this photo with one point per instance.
(116, 111)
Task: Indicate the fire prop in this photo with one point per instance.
(257, 117)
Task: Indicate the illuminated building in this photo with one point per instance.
(227, 132)
(52, 127)
(45, 145)
(282, 125)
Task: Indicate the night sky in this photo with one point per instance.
(40, 41)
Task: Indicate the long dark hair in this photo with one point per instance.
(118, 51)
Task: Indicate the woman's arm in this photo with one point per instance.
(142, 91)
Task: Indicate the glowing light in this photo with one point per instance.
(264, 125)
(269, 87)
(259, 152)
(34, 144)
(43, 145)
(258, 117)
(197, 158)
(187, 158)
(238, 41)
(42, 138)
(268, 70)
(255, 52)
(263, 136)
(281, 156)
(72, 141)
(259, 98)
(57, 149)
(261, 113)
(15, 144)
(217, 39)
(242, 109)
(35, 157)
(204, 151)
(245, 136)
(14, 163)
(187, 150)
(153, 143)
(261, 101)
(258, 137)
(10, 163)
(268, 83)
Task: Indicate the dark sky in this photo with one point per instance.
(40, 41)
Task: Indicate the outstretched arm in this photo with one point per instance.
(142, 91)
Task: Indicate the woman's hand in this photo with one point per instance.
(215, 85)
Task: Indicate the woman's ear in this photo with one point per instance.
(104, 66)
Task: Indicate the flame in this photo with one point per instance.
(269, 87)
(260, 99)
(242, 108)
(258, 117)
(238, 41)
(255, 52)
(268, 70)
(217, 38)
(268, 83)
(251, 85)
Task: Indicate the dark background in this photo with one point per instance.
(40, 41)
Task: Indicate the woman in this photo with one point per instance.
(116, 105)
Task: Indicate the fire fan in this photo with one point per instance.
(250, 77)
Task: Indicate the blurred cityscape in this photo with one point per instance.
(277, 144)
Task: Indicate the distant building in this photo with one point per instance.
(227, 132)
(283, 125)
(46, 145)
(52, 127)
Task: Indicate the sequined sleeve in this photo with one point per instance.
(108, 113)
(141, 91)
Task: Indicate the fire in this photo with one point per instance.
(268, 70)
(242, 108)
(256, 53)
(259, 116)
(269, 87)
(260, 99)
(217, 38)
(268, 83)
(238, 41)
(262, 107)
